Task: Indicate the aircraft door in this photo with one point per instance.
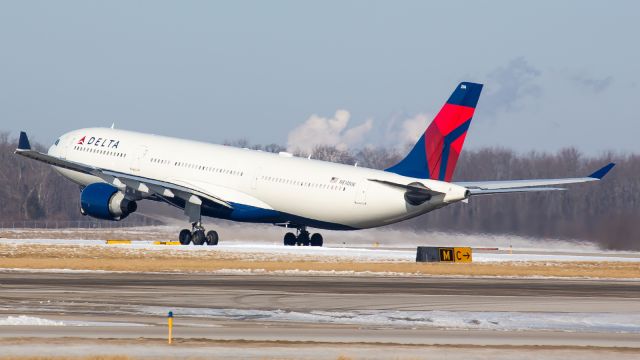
(64, 146)
(255, 177)
(361, 192)
(138, 157)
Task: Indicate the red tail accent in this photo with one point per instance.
(444, 139)
(436, 153)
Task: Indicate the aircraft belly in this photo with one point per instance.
(77, 177)
(383, 206)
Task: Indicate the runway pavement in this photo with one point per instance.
(329, 284)
(143, 299)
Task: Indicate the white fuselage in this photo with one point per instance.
(331, 195)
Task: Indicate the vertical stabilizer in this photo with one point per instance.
(436, 153)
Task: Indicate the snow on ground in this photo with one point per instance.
(385, 237)
(452, 320)
(372, 255)
(23, 320)
(357, 254)
(502, 257)
(457, 320)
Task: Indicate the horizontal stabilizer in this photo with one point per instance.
(509, 186)
(513, 190)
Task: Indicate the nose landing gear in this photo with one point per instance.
(303, 238)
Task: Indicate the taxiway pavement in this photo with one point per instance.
(125, 298)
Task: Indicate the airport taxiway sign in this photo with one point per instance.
(462, 254)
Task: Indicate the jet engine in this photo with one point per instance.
(103, 201)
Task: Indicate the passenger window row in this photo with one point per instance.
(99, 151)
(308, 184)
(210, 169)
(160, 161)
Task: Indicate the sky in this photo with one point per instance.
(346, 73)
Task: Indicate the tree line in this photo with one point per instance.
(31, 190)
(607, 213)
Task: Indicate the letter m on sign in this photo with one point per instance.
(446, 254)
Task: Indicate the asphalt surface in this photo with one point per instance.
(336, 284)
(108, 297)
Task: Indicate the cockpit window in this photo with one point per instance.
(57, 141)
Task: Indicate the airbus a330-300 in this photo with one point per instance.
(116, 168)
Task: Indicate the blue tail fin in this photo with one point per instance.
(436, 153)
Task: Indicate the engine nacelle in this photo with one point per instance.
(103, 201)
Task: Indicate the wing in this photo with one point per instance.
(145, 186)
(511, 186)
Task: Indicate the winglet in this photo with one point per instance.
(599, 174)
(23, 143)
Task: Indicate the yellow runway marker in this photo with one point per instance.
(118, 242)
(166, 243)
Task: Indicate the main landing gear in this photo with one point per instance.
(197, 236)
(303, 238)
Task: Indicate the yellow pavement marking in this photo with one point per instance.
(166, 243)
(118, 241)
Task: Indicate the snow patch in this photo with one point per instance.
(24, 320)
(462, 320)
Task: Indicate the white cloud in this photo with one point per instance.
(595, 84)
(401, 131)
(335, 131)
(356, 134)
(413, 127)
(509, 85)
(331, 131)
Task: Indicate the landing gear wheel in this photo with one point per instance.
(198, 237)
(212, 238)
(316, 240)
(289, 239)
(185, 237)
(303, 239)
